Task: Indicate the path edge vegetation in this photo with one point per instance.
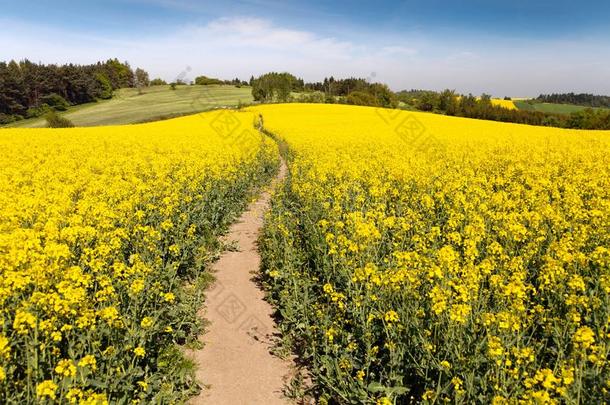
(196, 288)
(302, 387)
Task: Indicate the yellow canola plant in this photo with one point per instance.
(509, 104)
(443, 259)
(99, 229)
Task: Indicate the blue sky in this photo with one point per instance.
(515, 47)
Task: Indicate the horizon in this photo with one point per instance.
(517, 50)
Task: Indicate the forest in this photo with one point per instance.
(30, 89)
(584, 99)
(449, 102)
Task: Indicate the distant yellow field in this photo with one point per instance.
(499, 102)
(504, 103)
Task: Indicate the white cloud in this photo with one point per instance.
(225, 47)
(242, 46)
(398, 50)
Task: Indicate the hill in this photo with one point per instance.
(552, 108)
(156, 102)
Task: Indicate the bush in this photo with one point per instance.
(313, 97)
(37, 111)
(56, 102)
(6, 119)
(55, 120)
(332, 100)
(274, 87)
(428, 101)
(205, 81)
(361, 98)
(106, 91)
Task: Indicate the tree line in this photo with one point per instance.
(583, 99)
(448, 102)
(30, 89)
(206, 81)
(285, 87)
(279, 87)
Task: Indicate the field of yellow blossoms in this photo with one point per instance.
(412, 257)
(504, 103)
(416, 257)
(102, 230)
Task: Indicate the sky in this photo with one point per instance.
(512, 48)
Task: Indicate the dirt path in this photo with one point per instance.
(235, 364)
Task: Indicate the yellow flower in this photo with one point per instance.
(139, 352)
(46, 389)
(494, 347)
(66, 368)
(169, 297)
(584, 337)
(429, 395)
(499, 400)
(88, 361)
(74, 395)
(457, 382)
(542, 397)
(5, 349)
(137, 286)
(109, 314)
(95, 399)
(567, 375)
(384, 401)
(459, 313)
(23, 322)
(147, 322)
(546, 378)
(391, 316)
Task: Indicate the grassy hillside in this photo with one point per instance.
(128, 107)
(548, 107)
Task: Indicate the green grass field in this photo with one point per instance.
(157, 102)
(548, 107)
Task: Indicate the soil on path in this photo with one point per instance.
(235, 363)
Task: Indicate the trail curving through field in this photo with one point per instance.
(235, 363)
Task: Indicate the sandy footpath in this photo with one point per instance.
(235, 364)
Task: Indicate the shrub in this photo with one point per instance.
(106, 90)
(313, 97)
(205, 81)
(6, 119)
(56, 102)
(37, 111)
(361, 98)
(55, 120)
(158, 82)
